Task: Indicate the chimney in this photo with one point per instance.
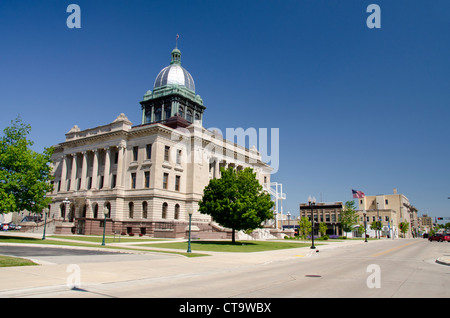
(395, 190)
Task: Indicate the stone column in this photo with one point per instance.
(119, 178)
(106, 183)
(63, 174)
(217, 169)
(73, 178)
(84, 171)
(94, 184)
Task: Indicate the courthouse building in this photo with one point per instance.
(148, 177)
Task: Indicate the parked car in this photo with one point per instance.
(425, 235)
(439, 237)
(12, 226)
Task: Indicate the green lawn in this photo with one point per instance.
(7, 261)
(227, 246)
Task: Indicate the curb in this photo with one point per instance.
(445, 260)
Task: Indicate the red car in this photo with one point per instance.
(440, 237)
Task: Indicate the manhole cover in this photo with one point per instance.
(313, 276)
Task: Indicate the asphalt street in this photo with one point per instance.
(386, 268)
(46, 255)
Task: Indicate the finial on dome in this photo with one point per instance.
(176, 53)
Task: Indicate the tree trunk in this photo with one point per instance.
(232, 236)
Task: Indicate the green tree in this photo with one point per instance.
(361, 229)
(376, 226)
(25, 175)
(323, 229)
(349, 217)
(404, 227)
(304, 227)
(237, 201)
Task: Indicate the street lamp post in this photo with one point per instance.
(365, 227)
(378, 223)
(190, 212)
(66, 207)
(105, 212)
(45, 222)
(312, 203)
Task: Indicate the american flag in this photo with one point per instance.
(358, 194)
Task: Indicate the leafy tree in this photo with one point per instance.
(237, 201)
(304, 227)
(404, 227)
(349, 217)
(361, 229)
(376, 226)
(323, 229)
(25, 175)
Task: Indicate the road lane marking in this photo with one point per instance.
(393, 249)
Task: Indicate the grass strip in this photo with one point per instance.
(228, 246)
(9, 261)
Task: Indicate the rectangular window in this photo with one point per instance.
(165, 180)
(147, 179)
(113, 181)
(149, 151)
(386, 201)
(116, 157)
(101, 182)
(177, 183)
(133, 180)
(89, 185)
(166, 153)
(135, 153)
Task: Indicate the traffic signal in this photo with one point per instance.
(440, 218)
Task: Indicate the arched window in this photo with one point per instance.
(158, 114)
(95, 210)
(168, 111)
(144, 209)
(148, 116)
(197, 116)
(130, 210)
(177, 211)
(72, 213)
(189, 116)
(164, 210)
(181, 112)
(62, 209)
(108, 206)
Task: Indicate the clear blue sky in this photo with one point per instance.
(356, 107)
